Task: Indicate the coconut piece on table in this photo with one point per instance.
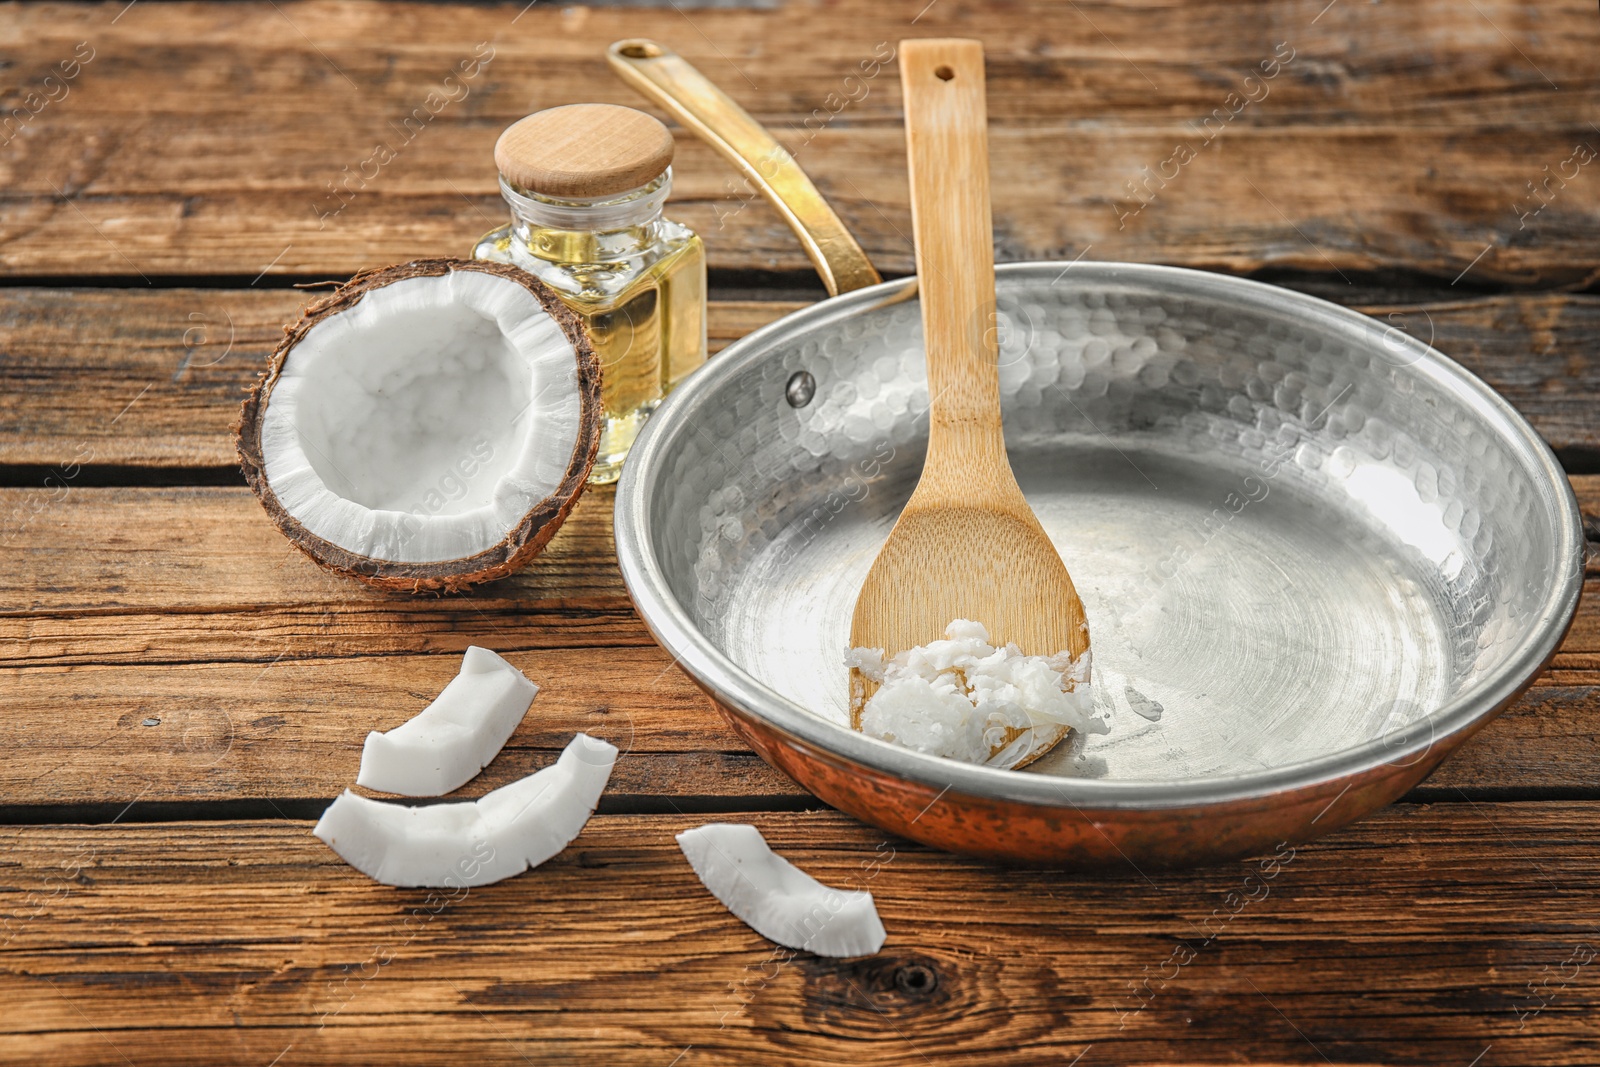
(778, 900)
(473, 843)
(426, 426)
(448, 742)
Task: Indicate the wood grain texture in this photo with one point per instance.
(200, 573)
(98, 739)
(1402, 144)
(184, 550)
(265, 673)
(154, 377)
(138, 377)
(1421, 936)
(1399, 137)
(289, 729)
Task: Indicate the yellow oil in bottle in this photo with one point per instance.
(637, 280)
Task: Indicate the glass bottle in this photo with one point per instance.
(636, 279)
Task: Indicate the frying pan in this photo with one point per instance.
(1316, 554)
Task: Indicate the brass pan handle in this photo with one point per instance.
(673, 83)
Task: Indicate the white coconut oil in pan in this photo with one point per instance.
(965, 699)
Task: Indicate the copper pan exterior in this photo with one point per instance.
(1015, 832)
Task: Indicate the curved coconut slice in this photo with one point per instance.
(499, 835)
(448, 742)
(426, 426)
(778, 900)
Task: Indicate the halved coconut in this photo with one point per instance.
(775, 898)
(426, 426)
(446, 744)
(477, 842)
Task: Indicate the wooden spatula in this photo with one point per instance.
(967, 546)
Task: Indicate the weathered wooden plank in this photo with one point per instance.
(1547, 743)
(117, 377)
(200, 574)
(1537, 353)
(1429, 201)
(290, 730)
(185, 606)
(1384, 143)
(1421, 936)
(1106, 63)
(189, 599)
(183, 550)
(134, 377)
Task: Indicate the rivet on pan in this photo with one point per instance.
(801, 388)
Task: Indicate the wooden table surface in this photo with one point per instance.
(181, 692)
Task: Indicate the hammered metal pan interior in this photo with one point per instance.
(1315, 553)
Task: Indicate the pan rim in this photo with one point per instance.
(747, 695)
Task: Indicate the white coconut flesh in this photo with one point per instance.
(778, 900)
(965, 699)
(421, 424)
(447, 743)
(497, 836)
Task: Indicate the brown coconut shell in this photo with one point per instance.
(523, 541)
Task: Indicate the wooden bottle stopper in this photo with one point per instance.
(582, 151)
